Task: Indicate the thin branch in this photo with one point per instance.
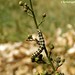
(49, 60)
(41, 22)
(29, 14)
(33, 14)
(37, 28)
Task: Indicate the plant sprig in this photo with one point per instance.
(51, 61)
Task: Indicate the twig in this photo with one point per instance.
(34, 17)
(33, 14)
(41, 22)
(49, 60)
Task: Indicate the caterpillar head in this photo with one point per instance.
(32, 37)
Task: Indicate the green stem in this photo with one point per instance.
(49, 59)
(33, 14)
(34, 17)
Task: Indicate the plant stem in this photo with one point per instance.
(33, 14)
(49, 60)
(34, 17)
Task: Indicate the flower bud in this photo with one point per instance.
(25, 10)
(44, 15)
(25, 4)
(58, 59)
(21, 3)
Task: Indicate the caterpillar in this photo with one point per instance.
(41, 44)
(40, 41)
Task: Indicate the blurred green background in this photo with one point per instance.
(15, 24)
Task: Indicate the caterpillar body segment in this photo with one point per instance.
(41, 39)
(35, 54)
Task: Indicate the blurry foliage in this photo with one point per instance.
(15, 24)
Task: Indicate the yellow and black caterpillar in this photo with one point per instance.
(41, 44)
(40, 41)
